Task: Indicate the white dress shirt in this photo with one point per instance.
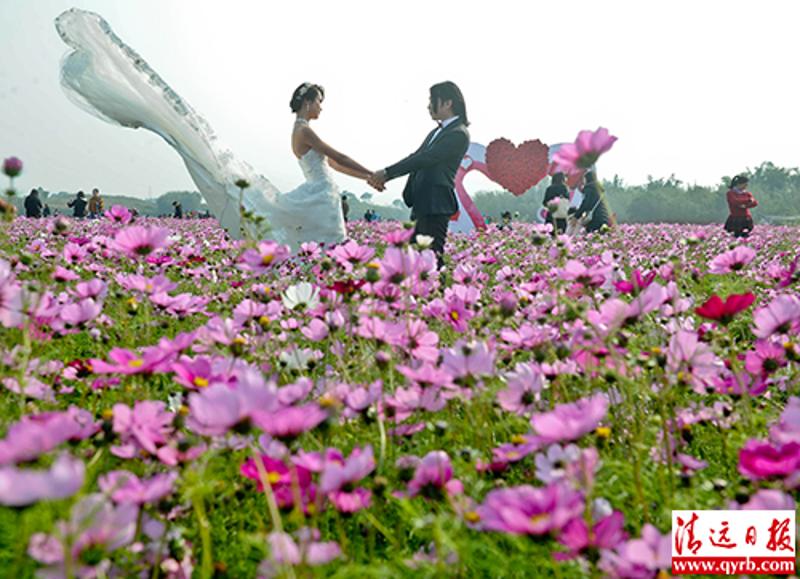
(442, 126)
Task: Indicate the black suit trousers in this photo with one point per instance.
(434, 226)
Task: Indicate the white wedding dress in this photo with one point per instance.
(108, 79)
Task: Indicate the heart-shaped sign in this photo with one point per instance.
(517, 168)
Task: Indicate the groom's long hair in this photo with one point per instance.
(449, 91)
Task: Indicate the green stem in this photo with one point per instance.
(206, 569)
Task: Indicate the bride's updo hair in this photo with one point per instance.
(305, 92)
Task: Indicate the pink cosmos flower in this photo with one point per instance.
(638, 283)
(468, 359)
(733, 260)
(416, 339)
(11, 315)
(339, 477)
(694, 359)
(119, 214)
(96, 528)
(767, 500)
(766, 358)
(571, 421)
(152, 359)
(146, 426)
(20, 487)
(787, 428)
(780, 316)
(643, 557)
(584, 152)
(80, 313)
(137, 241)
(291, 422)
(215, 410)
(434, 477)
(522, 391)
(36, 434)
(526, 510)
(95, 289)
(312, 552)
(125, 487)
(350, 253)
(359, 399)
(264, 256)
(758, 459)
(607, 533)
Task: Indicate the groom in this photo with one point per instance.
(432, 168)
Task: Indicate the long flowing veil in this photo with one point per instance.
(108, 79)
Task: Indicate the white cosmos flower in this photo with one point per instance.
(424, 240)
(297, 359)
(301, 296)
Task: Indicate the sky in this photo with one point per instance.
(699, 89)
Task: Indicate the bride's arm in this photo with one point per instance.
(338, 161)
(347, 170)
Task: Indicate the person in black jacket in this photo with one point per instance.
(177, 212)
(33, 205)
(78, 206)
(431, 169)
(593, 209)
(557, 190)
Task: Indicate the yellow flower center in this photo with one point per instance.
(273, 477)
(264, 320)
(137, 363)
(200, 382)
(454, 315)
(518, 439)
(267, 259)
(603, 431)
(108, 414)
(513, 455)
(472, 517)
(373, 265)
(535, 519)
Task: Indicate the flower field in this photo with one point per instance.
(177, 404)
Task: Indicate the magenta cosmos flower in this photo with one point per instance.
(571, 421)
(526, 510)
(287, 482)
(584, 152)
(137, 241)
(607, 533)
(759, 459)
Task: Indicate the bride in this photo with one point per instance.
(108, 79)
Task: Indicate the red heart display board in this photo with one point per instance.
(517, 168)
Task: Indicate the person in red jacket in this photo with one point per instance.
(740, 201)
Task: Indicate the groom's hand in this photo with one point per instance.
(378, 180)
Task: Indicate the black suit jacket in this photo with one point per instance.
(432, 170)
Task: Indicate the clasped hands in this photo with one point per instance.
(377, 180)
